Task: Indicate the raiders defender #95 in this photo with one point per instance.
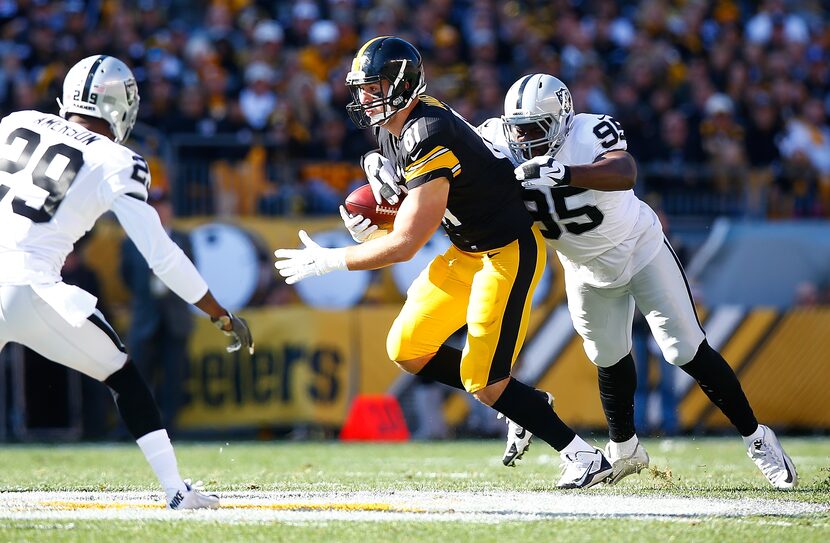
(577, 177)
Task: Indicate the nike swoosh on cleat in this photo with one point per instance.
(493, 255)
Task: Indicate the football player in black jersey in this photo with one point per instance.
(485, 279)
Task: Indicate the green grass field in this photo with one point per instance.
(692, 471)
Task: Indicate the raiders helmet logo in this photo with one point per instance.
(564, 98)
(131, 91)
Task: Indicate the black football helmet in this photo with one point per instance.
(393, 59)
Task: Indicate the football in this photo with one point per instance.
(362, 202)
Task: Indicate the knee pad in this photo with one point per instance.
(681, 353)
(607, 358)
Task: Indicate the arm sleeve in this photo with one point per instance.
(141, 223)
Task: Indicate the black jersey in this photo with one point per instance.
(485, 208)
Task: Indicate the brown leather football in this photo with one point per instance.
(362, 202)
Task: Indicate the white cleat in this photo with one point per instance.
(769, 456)
(583, 469)
(518, 439)
(625, 459)
(193, 497)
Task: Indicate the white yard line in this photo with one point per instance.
(394, 506)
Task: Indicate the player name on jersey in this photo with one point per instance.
(53, 123)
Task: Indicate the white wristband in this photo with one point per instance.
(336, 259)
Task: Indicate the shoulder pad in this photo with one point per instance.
(126, 172)
(603, 132)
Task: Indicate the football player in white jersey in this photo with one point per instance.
(578, 180)
(58, 174)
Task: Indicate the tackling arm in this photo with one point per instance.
(614, 170)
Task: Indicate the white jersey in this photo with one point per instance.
(56, 179)
(603, 236)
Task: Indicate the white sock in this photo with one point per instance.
(159, 453)
(757, 434)
(577, 445)
(624, 448)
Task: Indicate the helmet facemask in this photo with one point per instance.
(399, 94)
(538, 110)
(530, 137)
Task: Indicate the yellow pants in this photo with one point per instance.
(490, 292)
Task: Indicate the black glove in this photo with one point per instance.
(239, 331)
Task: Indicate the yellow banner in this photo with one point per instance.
(301, 372)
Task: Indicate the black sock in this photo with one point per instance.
(617, 384)
(135, 402)
(444, 367)
(721, 385)
(529, 408)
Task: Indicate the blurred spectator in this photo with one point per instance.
(723, 140)
(258, 100)
(762, 129)
(675, 161)
(321, 55)
(447, 71)
(268, 38)
(809, 134)
(303, 14)
(161, 322)
(805, 182)
(774, 23)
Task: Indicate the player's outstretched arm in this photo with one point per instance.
(415, 223)
(614, 170)
(169, 263)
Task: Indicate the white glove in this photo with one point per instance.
(382, 177)
(358, 227)
(543, 171)
(297, 264)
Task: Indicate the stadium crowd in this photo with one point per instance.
(724, 102)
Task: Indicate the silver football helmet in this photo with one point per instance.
(104, 87)
(538, 110)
